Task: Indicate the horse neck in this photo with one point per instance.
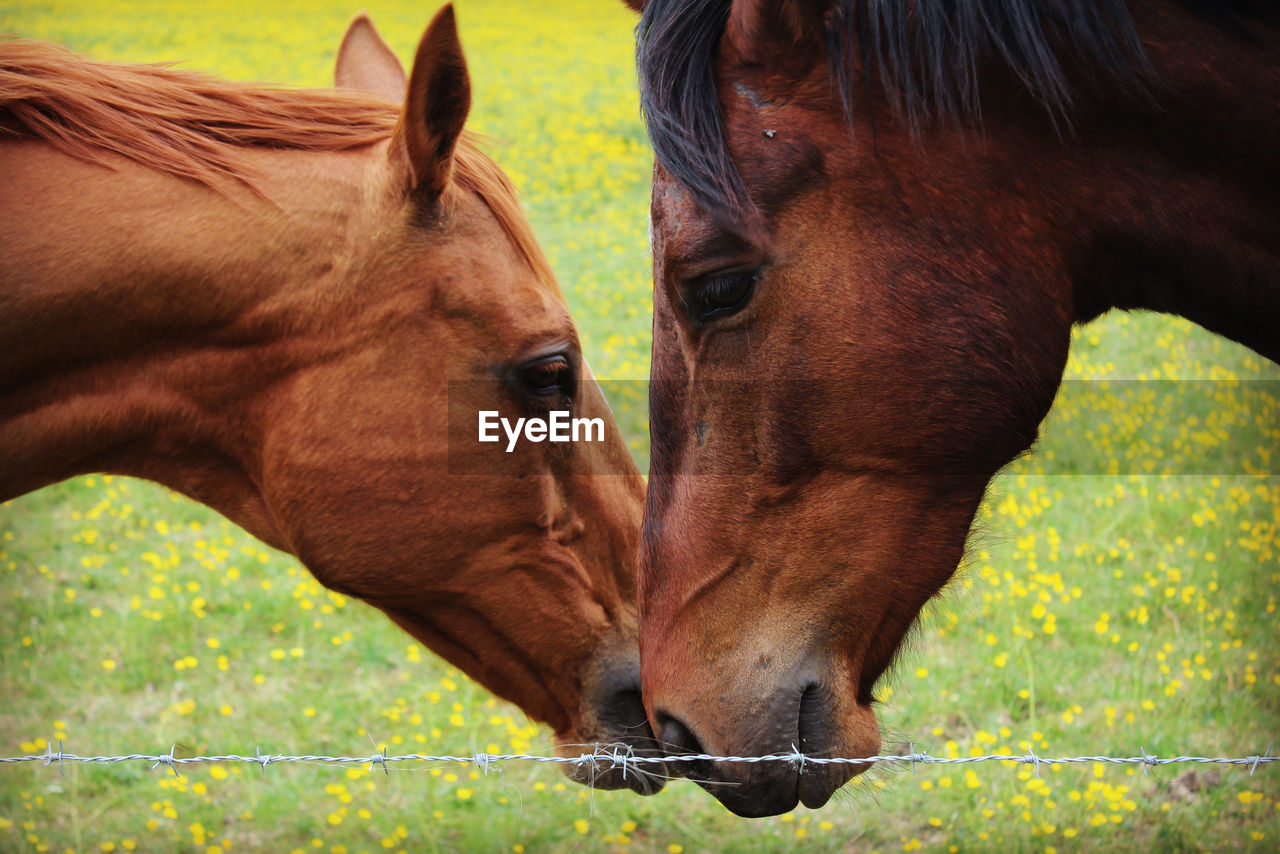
(149, 319)
(1190, 190)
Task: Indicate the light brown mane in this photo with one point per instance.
(194, 126)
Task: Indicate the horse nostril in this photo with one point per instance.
(811, 719)
(628, 709)
(677, 739)
(675, 736)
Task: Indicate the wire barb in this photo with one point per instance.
(1031, 758)
(50, 758)
(797, 759)
(380, 757)
(620, 760)
(1256, 759)
(1147, 760)
(167, 759)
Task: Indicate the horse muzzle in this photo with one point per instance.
(805, 719)
(619, 732)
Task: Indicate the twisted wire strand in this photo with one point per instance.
(605, 757)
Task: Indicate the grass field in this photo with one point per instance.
(1130, 607)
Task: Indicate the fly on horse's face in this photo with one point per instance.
(853, 331)
(293, 350)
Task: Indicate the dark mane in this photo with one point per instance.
(924, 55)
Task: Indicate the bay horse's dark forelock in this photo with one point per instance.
(923, 56)
(676, 57)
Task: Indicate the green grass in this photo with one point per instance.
(133, 620)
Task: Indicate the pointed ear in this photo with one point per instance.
(757, 27)
(435, 109)
(366, 62)
(636, 5)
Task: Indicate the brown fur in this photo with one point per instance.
(819, 453)
(290, 349)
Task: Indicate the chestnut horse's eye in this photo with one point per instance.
(723, 294)
(549, 375)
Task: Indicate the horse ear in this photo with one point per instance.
(755, 26)
(366, 62)
(636, 5)
(435, 108)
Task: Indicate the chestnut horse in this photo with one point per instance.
(874, 224)
(261, 297)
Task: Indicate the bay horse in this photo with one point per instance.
(873, 226)
(262, 299)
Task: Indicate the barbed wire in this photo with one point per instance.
(607, 757)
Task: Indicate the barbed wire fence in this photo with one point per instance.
(604, 758)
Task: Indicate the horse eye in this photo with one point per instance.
(548, 375)
(724, 294)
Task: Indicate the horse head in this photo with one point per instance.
(863, 300)
(312, 296)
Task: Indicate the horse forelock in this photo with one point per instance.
(198, 127)
(924, 55)
(676, 49)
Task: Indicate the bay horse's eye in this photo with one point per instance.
(723, 294)
(548, 375)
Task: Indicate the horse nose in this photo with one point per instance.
(623, 720)
(750, 790)
(620, 722)
(799, 718)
